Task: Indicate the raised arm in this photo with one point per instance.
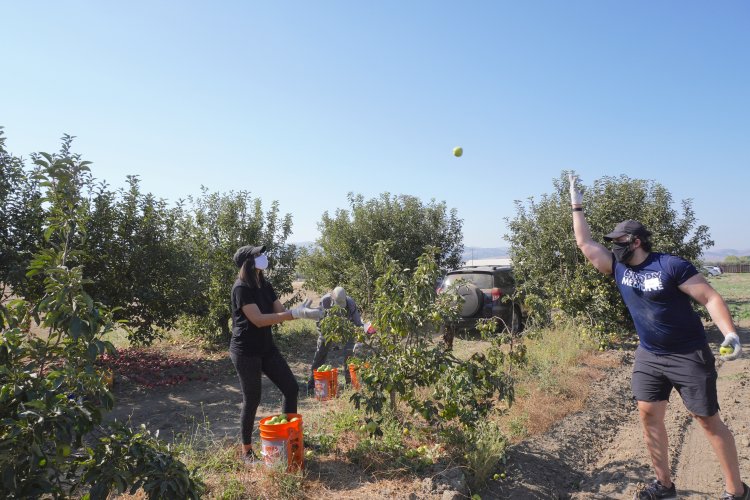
(596, 253)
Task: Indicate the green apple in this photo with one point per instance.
(496, 477)
(458, 151)
(309, 453)
(726, 349)
(294, 419)
(406, 431)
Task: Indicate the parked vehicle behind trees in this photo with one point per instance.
(487, 292)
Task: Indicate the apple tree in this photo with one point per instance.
(408, 362)
(553, 273)
(52, 393)
(21, 217)
(217, 224)
(344, 254)
(133, 254)
(126, 242)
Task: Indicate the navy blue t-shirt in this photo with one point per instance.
(248, 339)
(663, 315)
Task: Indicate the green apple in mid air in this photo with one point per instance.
(726, 349)
(458, 151)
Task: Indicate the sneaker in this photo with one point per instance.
(655, 490)
(745, 494)
(250, 458)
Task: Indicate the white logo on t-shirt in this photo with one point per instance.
(645, 282)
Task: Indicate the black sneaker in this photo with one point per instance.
(655, 490)
(250, 458)
(745, 494)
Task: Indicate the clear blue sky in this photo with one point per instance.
(302, 102)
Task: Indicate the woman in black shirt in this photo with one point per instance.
(255, 308)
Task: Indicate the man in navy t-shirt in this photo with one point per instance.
(673, 352)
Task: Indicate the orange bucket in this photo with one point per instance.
(326, 384)
(282, 442)
(353, 375)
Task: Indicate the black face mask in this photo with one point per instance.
(622, 251)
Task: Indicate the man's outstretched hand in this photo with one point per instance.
(732, 340)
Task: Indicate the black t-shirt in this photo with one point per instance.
(248, 339)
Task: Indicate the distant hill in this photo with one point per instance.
(719, 254)
(482, 253)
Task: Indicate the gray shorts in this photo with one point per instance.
(692, 374)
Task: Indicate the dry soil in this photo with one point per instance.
(593, 454)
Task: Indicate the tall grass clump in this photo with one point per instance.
(486, 452)
(553, 354)
(554, 380)
(294, 336)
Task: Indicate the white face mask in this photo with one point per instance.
(261, 262)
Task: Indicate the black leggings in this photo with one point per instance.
(249, 369)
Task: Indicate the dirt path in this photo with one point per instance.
(598, 453)
(215, 403)
(593, 454)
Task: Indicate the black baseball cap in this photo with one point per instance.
(628, 227)
(246, 252)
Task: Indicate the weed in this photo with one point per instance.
(485, 449)
(346, 420)
(286, 484)
(231, 488)
(392, 434)
(517, 426)
(325, 443)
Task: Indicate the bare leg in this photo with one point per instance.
(722, 441)
(655, 435)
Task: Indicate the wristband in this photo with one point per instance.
(578, 209)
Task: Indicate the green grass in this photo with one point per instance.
(118, 337)
(735, 288)
(552, 352)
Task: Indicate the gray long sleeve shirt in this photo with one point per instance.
(352, 313)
